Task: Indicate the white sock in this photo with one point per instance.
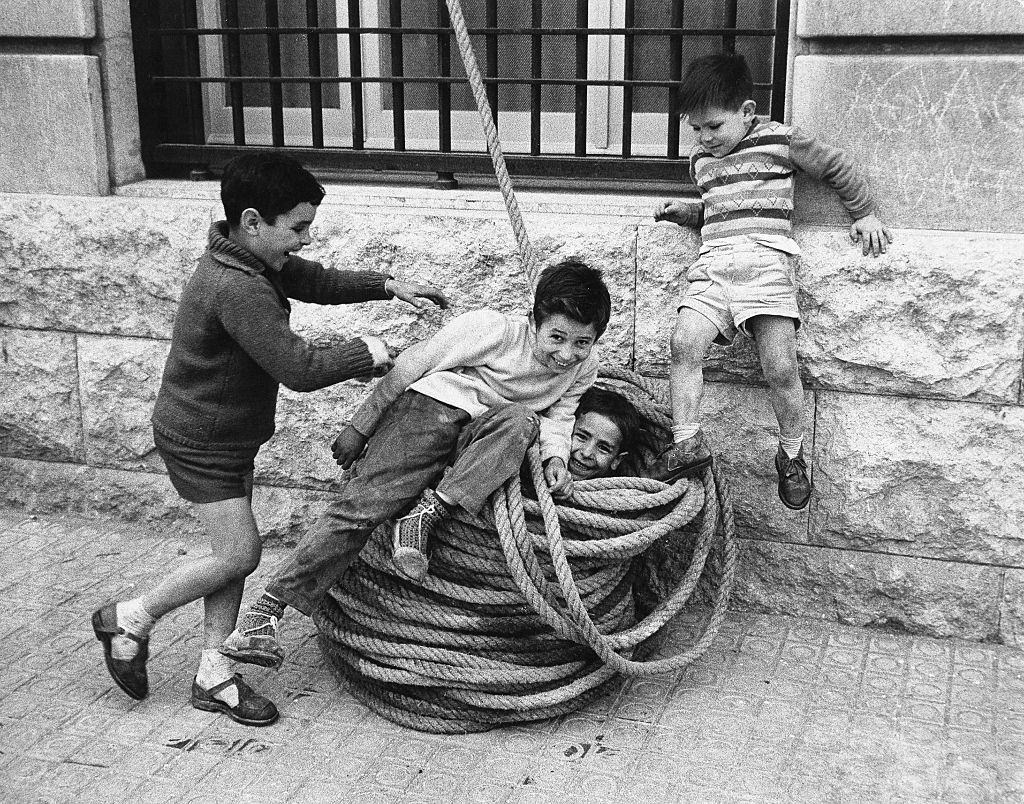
(792, 446)
(133, 618)
(216, 668)
(681, 432)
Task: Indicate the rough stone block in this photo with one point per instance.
(472, 259)
(51, 19)
(283, 515)
(905, 120)
(59, 121)
(1011, 612)
(919, 596)
(120, 99)
(920, 477)
(119, 381)
(741, 425)
(838, 18)
(103, 265)
(40, 415)
(939, 315)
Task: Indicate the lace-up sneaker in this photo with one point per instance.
(255, 640)
(794, 485)
(684, 459)
(411, 534)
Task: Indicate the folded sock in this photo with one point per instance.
(792, 446)
(133, 618)
(681, 432)
(269, 605)
(216, 668)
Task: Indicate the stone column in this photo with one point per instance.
(69, 123)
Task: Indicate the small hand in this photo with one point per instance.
(677, 212)
(558, 478)
(348, 446)
(415, 294)
(870, 231)
(382, 360)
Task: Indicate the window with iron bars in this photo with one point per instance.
(578, 88)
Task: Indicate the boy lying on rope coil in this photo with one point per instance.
(480, 391)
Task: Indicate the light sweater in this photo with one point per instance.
(481, 359)
(749, 192)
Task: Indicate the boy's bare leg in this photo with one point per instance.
(692, 336)
(776, 345)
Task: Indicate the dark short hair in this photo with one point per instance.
(721, 80)
(575, 290)
(269, 183)
(618, 409)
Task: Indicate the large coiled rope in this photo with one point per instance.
(528, 611)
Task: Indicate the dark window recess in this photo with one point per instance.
(580, 89)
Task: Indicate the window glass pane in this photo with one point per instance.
(651, 60)
(294, 52)
(420, 54)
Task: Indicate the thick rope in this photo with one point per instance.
(476, 83)
(528, 611)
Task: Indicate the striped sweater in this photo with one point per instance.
(749, 191)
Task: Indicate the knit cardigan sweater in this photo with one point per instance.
(232, 345)
(749, 191)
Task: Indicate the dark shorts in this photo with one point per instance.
(206, 476)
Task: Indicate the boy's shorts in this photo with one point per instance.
(206, 476)
(730, 284)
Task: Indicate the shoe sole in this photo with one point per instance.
(223, 708)
(271, 660)
(689, 471)
(105, 637)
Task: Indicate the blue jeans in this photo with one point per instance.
(415, 440)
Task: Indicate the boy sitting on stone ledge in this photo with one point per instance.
(472, 392)
(743, 279)
(231, 347)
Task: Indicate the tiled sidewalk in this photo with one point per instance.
(780, 710)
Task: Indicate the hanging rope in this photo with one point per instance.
(528, 611)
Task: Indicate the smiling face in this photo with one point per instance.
(595, 448)
(273, 242)
(720, 130)
(561, 343)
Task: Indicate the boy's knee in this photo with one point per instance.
(685, 348)
(522, 418)
(782, 372)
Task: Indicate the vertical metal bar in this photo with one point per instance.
(582, 42)
(675, 73)
(536, 20)
(492, 58)
(444, 90)
(193, 91)
(780, 45)
(627, 75)
(728, 40)
(274, 68)
(397, 71)
(355, 70)
(234, 48)
(316, 99)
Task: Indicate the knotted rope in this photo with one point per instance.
(528, 611)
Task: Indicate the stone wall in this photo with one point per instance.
(912, 362)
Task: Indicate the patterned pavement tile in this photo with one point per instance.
(778, 709)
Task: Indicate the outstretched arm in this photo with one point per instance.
(416, 294)
(688, 212)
